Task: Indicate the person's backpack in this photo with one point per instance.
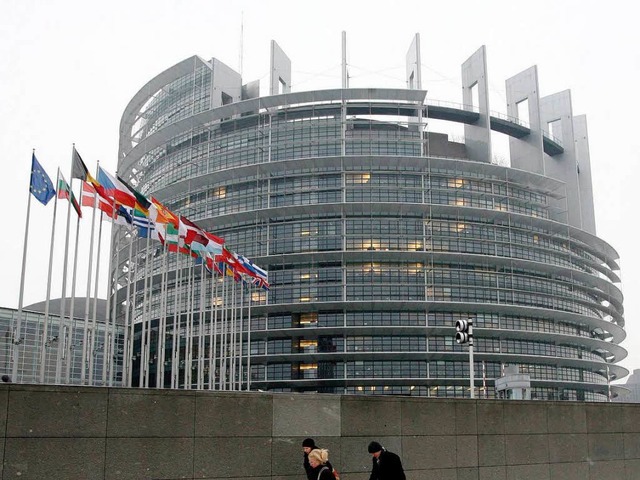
(322, 470)
(335, 473)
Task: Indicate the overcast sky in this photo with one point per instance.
(69, 68)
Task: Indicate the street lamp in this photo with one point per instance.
(464, 334)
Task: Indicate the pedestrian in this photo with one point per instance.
(320, 467)
(386, 465)
(308, 445)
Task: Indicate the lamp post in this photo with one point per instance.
(464, 334)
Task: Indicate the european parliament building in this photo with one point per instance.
(378, 233)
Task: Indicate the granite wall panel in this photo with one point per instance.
(59, 433)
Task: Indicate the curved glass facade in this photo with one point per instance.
(376, 242)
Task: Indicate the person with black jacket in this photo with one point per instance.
(321, 469)
(308, 445)
(386, 465)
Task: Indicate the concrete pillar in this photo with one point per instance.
(556, 109)
(414, 65)
(526, 153)
(280, 79)
(477, 137)
(226, 84)
(585, 186)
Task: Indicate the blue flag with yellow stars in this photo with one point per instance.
(41, 185)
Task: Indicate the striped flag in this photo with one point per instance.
(64, 191)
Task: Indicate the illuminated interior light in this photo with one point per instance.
(308, 343)
(257, 296)
(308, 318)
(371, 245)
(220, 192)
(308, 366)
(362, 178)
(460, 227)
(372, 268)
(305, 299)
(359, 389)
(455, 183)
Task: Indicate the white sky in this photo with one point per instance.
(69, 68)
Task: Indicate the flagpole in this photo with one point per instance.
(223, 335)
(175, 364)
(199, 370)
(17, 339)
(249, 342)
(109, 324)
(162, 323)
(128, 339)
(143, 325)
(201, 324)
(69, 333)
(94, 329)
(43, 347)
(213, 339)
(87, 335)
(133, 273)
(146, 312)
(189, 333)
(242, 286)
(234, 335)
(62, 311)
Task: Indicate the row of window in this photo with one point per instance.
(413, 319)
(439, 369)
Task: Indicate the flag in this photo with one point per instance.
(87, 195)
(231, 259)
(161, 214)
(173, 240)
(189, 230)
(261, 283)
(123, 216)
(88, 198)
(215, 244)
(115, 189)
(79, 169)
(64, 191)
(40, 186)
(146, 228)
(142, 204)
(255, 270)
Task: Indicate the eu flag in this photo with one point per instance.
(41, 185)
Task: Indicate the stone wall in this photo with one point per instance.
(55, 432)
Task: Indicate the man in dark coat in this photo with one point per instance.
(386, 465)
(309, 444)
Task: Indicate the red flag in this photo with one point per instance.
(89, 196)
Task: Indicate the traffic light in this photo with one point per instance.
(464, 331)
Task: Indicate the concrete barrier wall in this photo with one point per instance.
(112, 433)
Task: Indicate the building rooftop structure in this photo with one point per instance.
(378, 233)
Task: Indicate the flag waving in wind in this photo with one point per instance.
(41, 186)
(64, 191)
(115, 189)
(79, 169)
(142, 204)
